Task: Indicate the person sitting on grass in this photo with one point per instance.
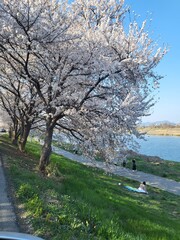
(142, 187)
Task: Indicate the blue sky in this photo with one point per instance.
(164, 28)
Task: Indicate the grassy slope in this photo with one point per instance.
(76, 202)
(153, 165)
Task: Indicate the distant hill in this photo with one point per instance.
(157, 123)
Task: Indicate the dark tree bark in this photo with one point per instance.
(46, 149)
(15, 139)
(10, 131)
(24, 135)
(16, 132)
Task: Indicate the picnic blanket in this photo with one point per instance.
(135, 189)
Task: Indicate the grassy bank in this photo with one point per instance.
(78, 202)
(156, 166)
(158, 130)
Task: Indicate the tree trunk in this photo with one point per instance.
(24, 136)
(46, 149)
(10, 131)
(16, 132)
(15, 140)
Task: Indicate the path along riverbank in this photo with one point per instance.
(151, 180)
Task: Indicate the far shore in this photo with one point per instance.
(168, 131)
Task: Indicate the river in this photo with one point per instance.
(165, 147)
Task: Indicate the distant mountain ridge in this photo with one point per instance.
(146, 124)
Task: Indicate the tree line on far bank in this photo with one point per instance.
(84, 69)
(161, 125)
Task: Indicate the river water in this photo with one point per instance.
(165, 147)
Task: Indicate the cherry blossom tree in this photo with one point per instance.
(93, 72)
(4, 118)
(9, 103)
(19, 102)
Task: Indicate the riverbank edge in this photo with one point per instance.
(157, 131)
(168, 169)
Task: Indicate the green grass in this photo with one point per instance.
(162, 168)
(78, 202)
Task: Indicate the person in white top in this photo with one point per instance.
(142, 187)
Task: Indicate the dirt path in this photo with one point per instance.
(152, 180)
(7, 215)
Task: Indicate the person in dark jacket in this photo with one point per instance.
(134, 165)
(124, 163)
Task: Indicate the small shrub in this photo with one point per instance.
(25, 192)
(35, 204)
(164, 175)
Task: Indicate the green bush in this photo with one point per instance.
(25, 191)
